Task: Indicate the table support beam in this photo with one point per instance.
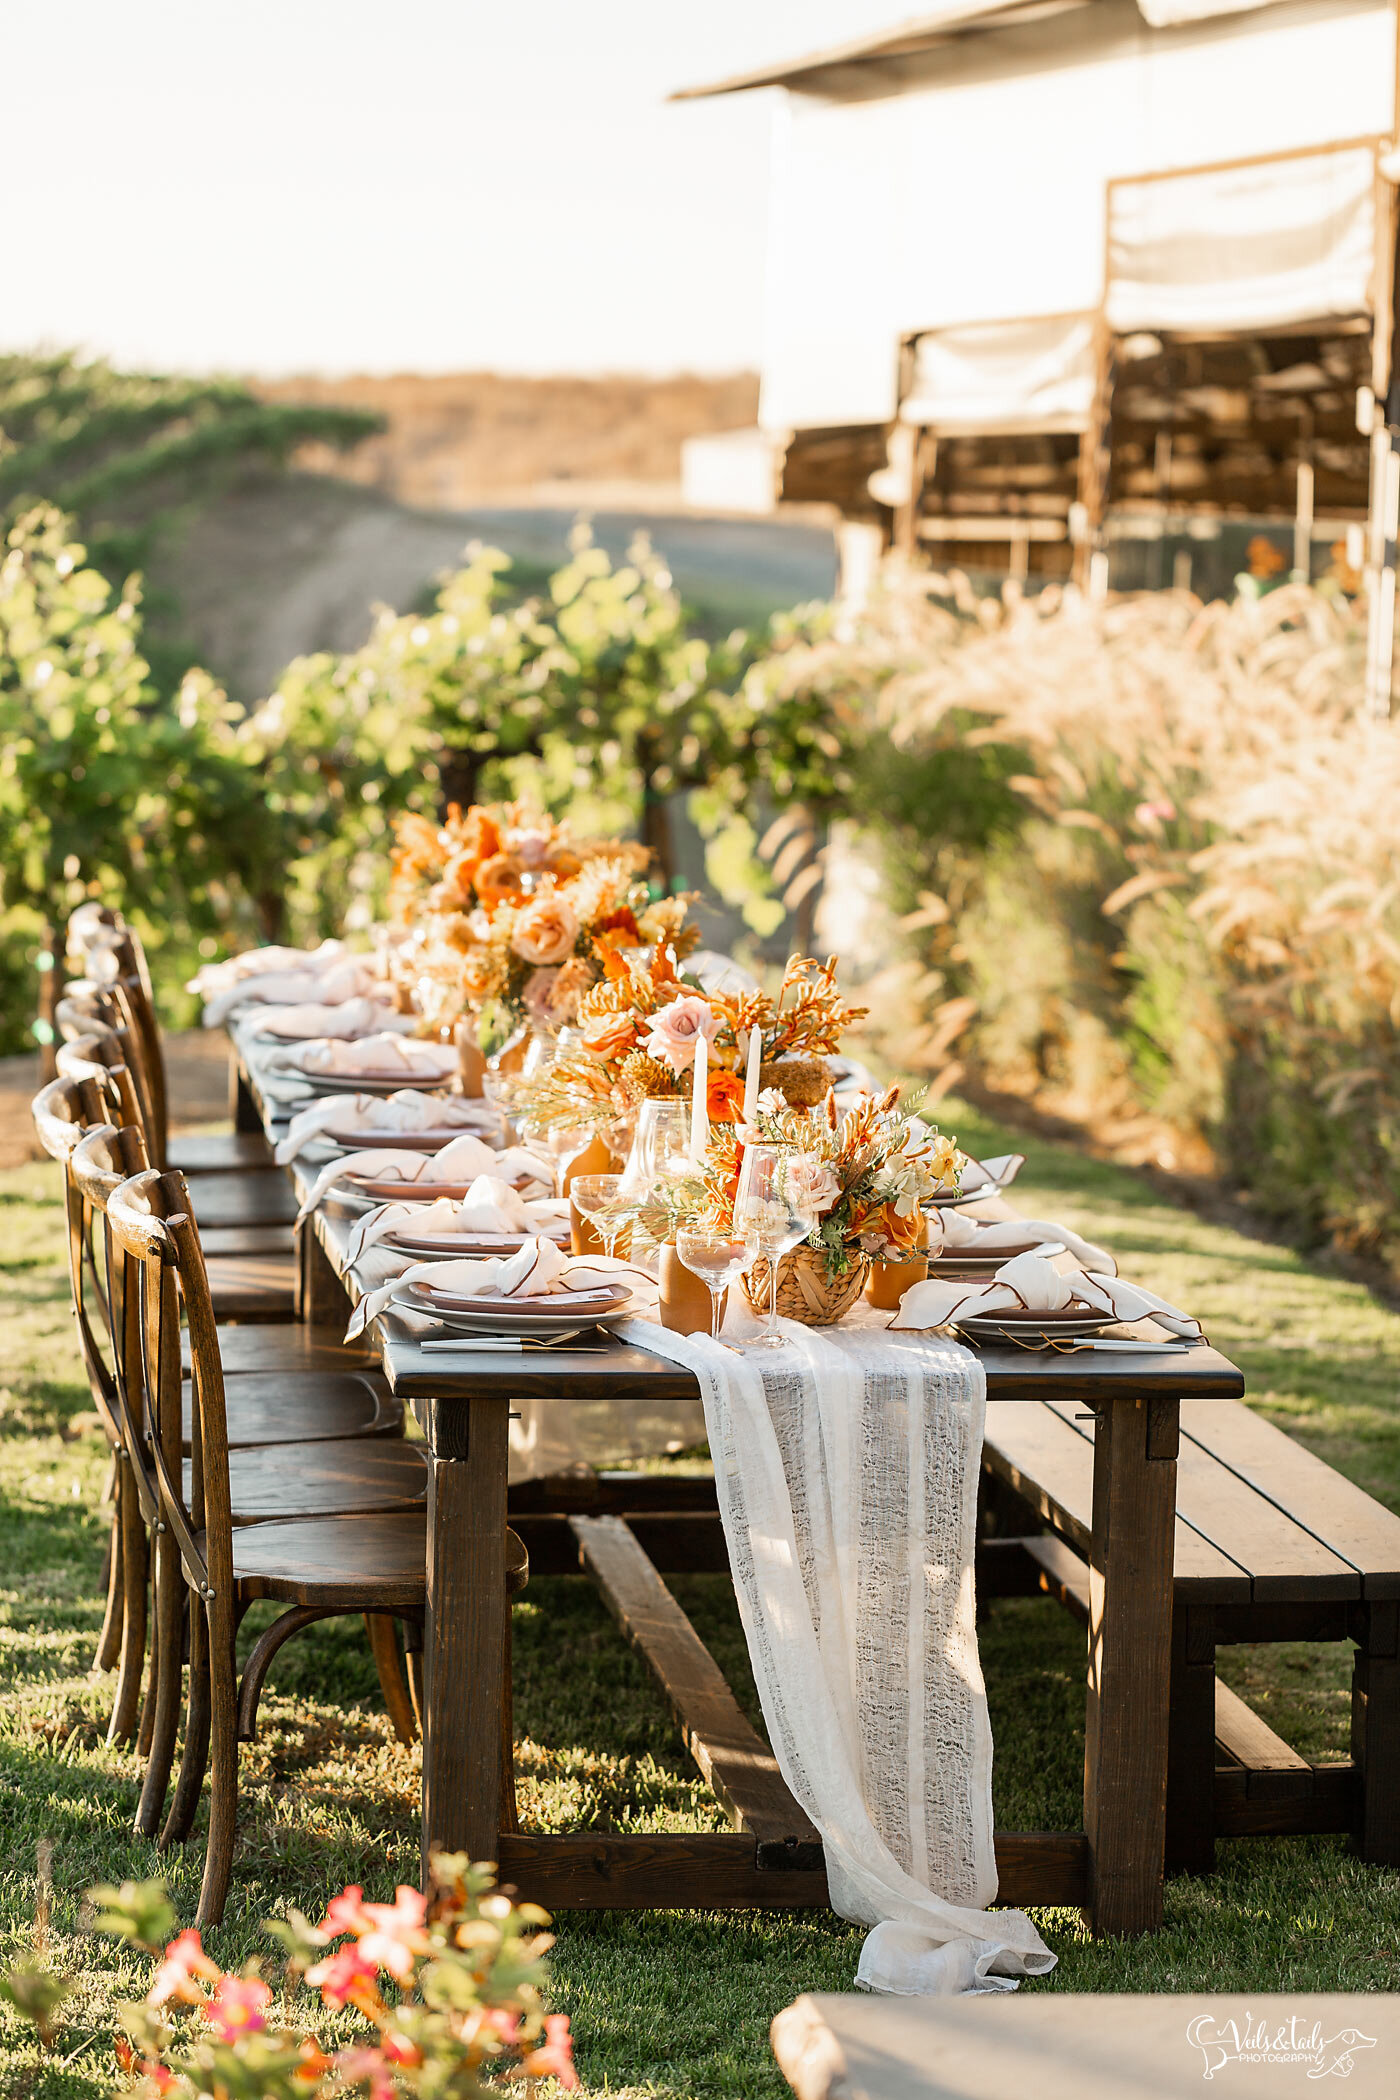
(1130, 1649)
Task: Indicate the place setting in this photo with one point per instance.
(358, 1181)
(537, 1297)
(1030, 1304)
(406, 1120)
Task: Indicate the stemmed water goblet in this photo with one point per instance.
(773, 1213)
(600, 1199)
(717, 1258)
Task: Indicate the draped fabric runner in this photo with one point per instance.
(847, 1471)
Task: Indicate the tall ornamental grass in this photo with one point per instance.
(1197, 915)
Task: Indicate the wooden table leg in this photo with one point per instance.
(321, 1297)
(242, 1108)
(1130, 1652)
(464, 1653)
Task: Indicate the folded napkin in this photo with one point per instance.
(538, 1270)
(259, 962)
(363, 1113)
(350, 979)
(951, 1233)
(1032, 1284)
(422, 1064)
(491, 1209)
(346, 1022)
(463, 1160)
(982, 1176)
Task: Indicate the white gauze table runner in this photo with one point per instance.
(847, 1470)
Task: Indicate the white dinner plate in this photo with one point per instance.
(448, 1244)
(1033, 1327)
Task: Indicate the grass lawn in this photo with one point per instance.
(671, 2004)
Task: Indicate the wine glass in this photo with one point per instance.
(717, 1259)
(661, 1146)
(773, 1212)
(600, 1200)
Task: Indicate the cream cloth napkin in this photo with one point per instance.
(463, 1160)
(386, 1113)
(987, 1177)
(347, 1022)
(422, 1064)
(538, 1270)
(259, 962)
(347, 979)
(1035, 1285)
(949, 1232)
(491, 1209)
(847, 1467)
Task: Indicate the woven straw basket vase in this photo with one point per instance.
(805, 1291)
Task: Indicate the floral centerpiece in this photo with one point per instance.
(866, 1174)
(638, 1028)
(518, 917)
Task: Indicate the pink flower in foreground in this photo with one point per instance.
(395, 1932)
(236, 2007)
(342, 1974)
(1151, 814)
(367, 2067)
(555, 2057)
(184, 1959)
(346, 1912)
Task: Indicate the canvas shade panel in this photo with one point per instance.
(1004, 376)
(1249, 247)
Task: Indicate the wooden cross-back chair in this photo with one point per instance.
(252, 1267)
(63, 1112)
(116, 961)
(319, 1568)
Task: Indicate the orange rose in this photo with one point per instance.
(460, 874)
(545, 931)
(901, 1231)
(609, 1036)
(724, 1098)
(498, 879)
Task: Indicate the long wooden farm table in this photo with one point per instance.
(626, 1530)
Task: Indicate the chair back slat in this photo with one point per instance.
(104, 1158)
(150, 1217)
(119, 966)
(64, 1112)
(105, 1059)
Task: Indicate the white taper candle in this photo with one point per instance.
(699, 1111)
(751, 1074)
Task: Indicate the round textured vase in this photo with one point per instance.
(685, 1300)
(805, 1291)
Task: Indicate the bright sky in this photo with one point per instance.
(393, 185)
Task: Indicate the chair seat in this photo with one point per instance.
(271, 1240)
(315, 1409)
(374, 1563)
(229, 1153)
(324, 1480)
(263, 1196)
(287, 1352)
(252, 1286)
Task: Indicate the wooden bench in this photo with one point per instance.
(1271, 1545)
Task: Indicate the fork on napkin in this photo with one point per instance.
(540, 1270)
(464, 1159)
(421, 1064)
(491, 1208)
(1032, 1284)
(951, 1233)
(406, 1110)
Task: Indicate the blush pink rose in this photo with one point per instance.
(810, 1182)
(673, 1033)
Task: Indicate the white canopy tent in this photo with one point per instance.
(1036, 374)
(958, 172)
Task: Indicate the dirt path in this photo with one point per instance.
(197, 1066)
